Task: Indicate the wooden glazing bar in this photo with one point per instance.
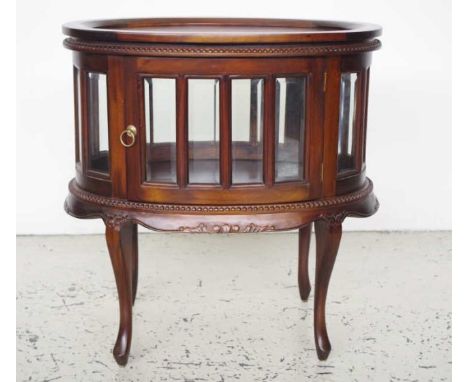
(93, 113)
(332, 106)
(269, 132)
(117, 154)
(84, 121)
(134, 115)
(225, 133)
(254, 109)
(151, 110)
(182, 131)
(317, 89)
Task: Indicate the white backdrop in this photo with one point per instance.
(409, 126)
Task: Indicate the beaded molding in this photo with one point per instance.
(177, 50)
(179, 208)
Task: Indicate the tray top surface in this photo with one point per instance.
(220, 31)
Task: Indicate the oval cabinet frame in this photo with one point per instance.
(127, 177)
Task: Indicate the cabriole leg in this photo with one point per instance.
(120, 237)
(129, 235)
(303, 271)
(327, 235)
(135, 262)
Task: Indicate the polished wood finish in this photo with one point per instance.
(129, 51)
(230, 31)
(303, 268)
(120, 243)
(328, 236)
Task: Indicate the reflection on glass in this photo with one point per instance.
(97, 123)
(160, 121)
(78, 127)
(203, 130)
(346, 125)
(289, 122)
(247, 130)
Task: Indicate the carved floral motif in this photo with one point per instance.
(336, 218)
(115, 220)
(226, 228)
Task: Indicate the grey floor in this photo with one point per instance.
(227, 308)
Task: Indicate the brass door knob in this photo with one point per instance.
(131, 133)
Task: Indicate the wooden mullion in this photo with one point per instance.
(225, 133)
(253, 131)
(134, 115)
(316, 153)
(116, 107)
(314, 140)
(93, 99)
(182, 131)
(304, 148)
(84, 122)
(269, 132)
(151, 110)
(138, 115)
(330, 125)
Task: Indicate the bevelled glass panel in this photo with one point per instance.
(98, 138)
(78, 127)
(160, 122)
(247, 130)
(203, 130)
(289, 128)
(347, 121)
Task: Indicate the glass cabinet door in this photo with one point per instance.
(209, 135)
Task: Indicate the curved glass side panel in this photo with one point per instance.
(347, 122)
(98, 138)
